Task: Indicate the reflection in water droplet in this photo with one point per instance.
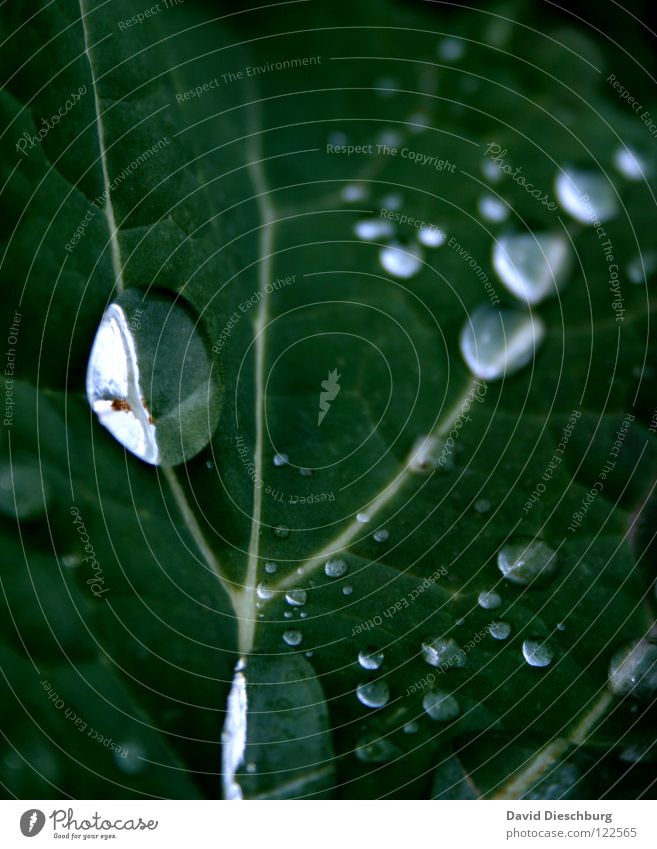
(335, 568)
(373, 694)
(370, 658)
(527, 560)
(401, 261)
(499, 630)
(587, 196)
(374, 229)
(537, 653)
(382, 535)
(490, 600)
(441, 706)
(439, 651)
(450, 49)
(482, 505)
(292, 637)
(630, 164)
(495, 343)
(23, 493)
(150, 381)
(633, 671)
(431, 237)
(306, 473)
(532, 266)
(296, 598)
(233, 735)
(492, 208)
(282, 532)
(374, 749)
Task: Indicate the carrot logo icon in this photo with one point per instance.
(32, 822)
(331, 387)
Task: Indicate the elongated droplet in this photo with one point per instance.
(532, 266)
(233, 736)
(441, 706)
(374, 229)
(527, 560)
(495, 343)
(373, 694)
(633, 671)
(537, 653)
(630, 164)
(150, 380)
(401, 261)
(587, 196)
(431, 236)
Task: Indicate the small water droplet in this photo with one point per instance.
(418, 122)
(281, 459)
(370, 658)
(482, 505)
(527, 560)
(373, 694)
(392, 201)
(347, 589)
(381, 535)
(630, 164)
(633, 671)
(537, 653)
(561, 626)
(587, 196)
(71, 560)
(151, 384)
(386, 86)
(489, 600)
(641, 267)
(495, 343)
(363, 518)
(439, 651)
(532, 266)
(335, 568)
(297, 598)
(292, 637)
(282, 532)
(129, 757)
(374, 229)
(270, 568)
(492, 208)
(431, 237)
(374, 749)
(499, 630)
(411, 728)
(450, 49)
(401, 261)
(23, 493)
(354, 192)
(306, 473)
(441, 706)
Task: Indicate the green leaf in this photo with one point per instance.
(348, 483)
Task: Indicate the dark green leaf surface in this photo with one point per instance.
(176, 629)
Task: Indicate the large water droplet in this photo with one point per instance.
(587, 196)
(150, 380)
(335, 567)
(439, 651)
(373, 694)
(401, 261)
(537, 653)
(370, 658)
(495, 343)
(532, 266)
(441, 706)
(23, 493)
(633, 671)
(527, 560)
(489, 600)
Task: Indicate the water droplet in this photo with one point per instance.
(642, 267)
(270, 568)
(491, 170)
(391, 137)
(587, 196)
(129, 757)
(411, 728)
(439, 651)
(282, 532)
(441, 706)
(287, 614)
(354, 192)
(429, 454)
(151, 383)
(381, 535)
(23, 493)
(401, 261)
(71, 560)
(537, 653)
(281, 459)
(335, 568)
(430, 236)
(450, 49)
(292, 637)
(373, 694)
(386, 86)
(492, 208)
(263, 592)
(392, 201)
(499, 630)
(297, 598)
(374, 229)
(495, 343)
(418, 122)
(489, 600)
(370, 658)
(561, 626)
(363, 518)
(532, 266)
(630, 164)
(347, 589)
(306, 473)
(482, 505)
(527, 560)
(633, 671)
(209, 464)
(374, 749)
